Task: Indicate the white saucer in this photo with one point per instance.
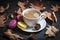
(42, 23)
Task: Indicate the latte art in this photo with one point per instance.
(31, 14)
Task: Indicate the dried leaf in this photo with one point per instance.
(17, 36)
(19, 11)
(2, 9)
(37, 5)
(10, 35)
(7, 6)
(54, 29)
(51, 16)
(2, 20)
(55, 8)
(22, 5)
(32, 36)
(51, 31)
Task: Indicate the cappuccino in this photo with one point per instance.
(31, 14)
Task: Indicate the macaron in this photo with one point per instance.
(21, 25)
(19, 17)
(12, 23)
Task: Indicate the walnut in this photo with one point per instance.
(3, 20)
(11, 35)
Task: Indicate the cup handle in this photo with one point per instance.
(43, 15)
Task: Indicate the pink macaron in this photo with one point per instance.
(19, 17)
(12, 24)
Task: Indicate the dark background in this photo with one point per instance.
(40, 35)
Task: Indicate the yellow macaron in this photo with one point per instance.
(21, 25)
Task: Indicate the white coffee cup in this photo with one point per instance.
(31, 21)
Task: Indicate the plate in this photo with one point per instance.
(41, 22)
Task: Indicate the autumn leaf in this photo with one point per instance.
(2, 20)
(55, 8)
(11, 35)
(37, 5)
